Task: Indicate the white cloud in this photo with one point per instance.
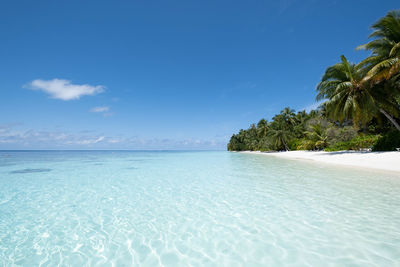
(18, 137)
(114, 141)
(313, 106)
(43, 139)
(64, 89)
(87, 141)
(100, 109)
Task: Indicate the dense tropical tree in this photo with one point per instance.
(262, 128)
(288, 116)
(347, 97)
(251, 137)
(315, 137)
(300, 126)
(280, 134)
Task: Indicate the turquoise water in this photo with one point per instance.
(193, 209)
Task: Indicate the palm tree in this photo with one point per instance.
(251, 137)
(288, 116)
(234, 144)
(262, 128)
(280, 134)
(301, 117)
(384, 62)
(347, 97)
(240, 140)
(316, 137)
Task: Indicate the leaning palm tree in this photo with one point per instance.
(349, 96)
(384, 64)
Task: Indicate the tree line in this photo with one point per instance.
(360, 109)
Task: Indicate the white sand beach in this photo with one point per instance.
(389, 161)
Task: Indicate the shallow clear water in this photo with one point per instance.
(193, 208)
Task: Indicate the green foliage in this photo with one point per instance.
(278, 134)
(363, 96)
(370, 89)
(389, 142)
(315, 137)
(337, 134)
(384, 62)
(295, 143)
(357, 143)
(347, 97)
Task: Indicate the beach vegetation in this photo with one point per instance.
(359, 143)
(360, 104)
(389, 142)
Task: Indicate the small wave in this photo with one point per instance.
(30, 170)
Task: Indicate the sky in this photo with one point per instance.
(165, 74)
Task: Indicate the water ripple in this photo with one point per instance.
(195, 209)
(30, 170)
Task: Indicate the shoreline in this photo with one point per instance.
(384, 161)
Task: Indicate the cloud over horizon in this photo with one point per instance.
(100, 109)
(17, 137)
(64, 89)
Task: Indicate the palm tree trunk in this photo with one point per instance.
(286, 147)
(392, 120)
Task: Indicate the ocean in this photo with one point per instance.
(193, 208)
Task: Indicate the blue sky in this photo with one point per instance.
(164, 74)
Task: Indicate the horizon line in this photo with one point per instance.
(1, 150)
